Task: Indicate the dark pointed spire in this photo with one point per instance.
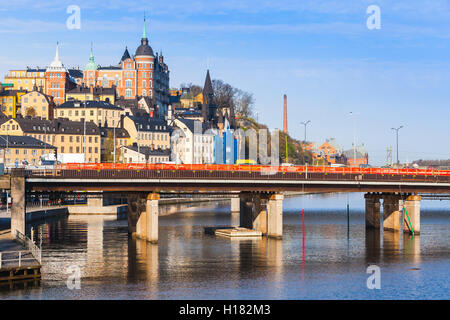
(126, 55)
(208, 89)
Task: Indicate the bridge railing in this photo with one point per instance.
(16, 258)
(30, 245)
(99, 167)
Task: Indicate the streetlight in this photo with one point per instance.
(354, 137)
(396, 131)
(305, 124)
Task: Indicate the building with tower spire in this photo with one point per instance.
(144, 74)
(57, 79)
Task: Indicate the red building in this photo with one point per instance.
(143, 75)
(57, 80)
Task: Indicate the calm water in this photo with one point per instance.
(188, 264)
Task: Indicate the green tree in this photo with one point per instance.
(31, 112)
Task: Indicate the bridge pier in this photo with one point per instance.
(275, 217)
(372, 211)
(143, 216)
(392, 206)
(246, 208)
(235, 205)
(262, 212)
(412, 206)
(95, 202)
(18, 209)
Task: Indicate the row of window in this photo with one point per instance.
(91, 112)
(29, 74)
(150, 160)
(153, 136)
(4, 109)
(34, 152)
(25, 100)
(77, 149)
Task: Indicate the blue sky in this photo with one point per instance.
(319, 53)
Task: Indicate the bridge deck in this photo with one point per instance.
(156, 180)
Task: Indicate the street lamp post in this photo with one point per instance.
(305, 124)
(354, 137)
(396, 131)
(114, 145)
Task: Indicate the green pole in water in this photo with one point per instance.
(409, 221)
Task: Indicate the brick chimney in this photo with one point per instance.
(285, 130)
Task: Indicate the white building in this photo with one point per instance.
(142, 154)
(191, 143)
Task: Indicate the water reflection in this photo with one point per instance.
(373, 252)
(189, 264)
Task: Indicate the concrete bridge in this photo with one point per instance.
(260, 200)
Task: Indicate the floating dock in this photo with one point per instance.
(233, 232)
(19, 265)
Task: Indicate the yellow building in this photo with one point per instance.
(67, 136)
(198, 99)
(10, 101)
(147, 131)
(103, 114)
(22, 150)
(92, 94)
(37, 104)
(26, 79)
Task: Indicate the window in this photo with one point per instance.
(62, 138)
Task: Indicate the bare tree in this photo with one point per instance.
(224, 94)
(195, 89)
(244, 103)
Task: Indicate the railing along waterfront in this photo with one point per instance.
(18, 259)
(30, 245)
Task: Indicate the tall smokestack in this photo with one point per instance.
(285, 115)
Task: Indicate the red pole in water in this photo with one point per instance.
(303, 232)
